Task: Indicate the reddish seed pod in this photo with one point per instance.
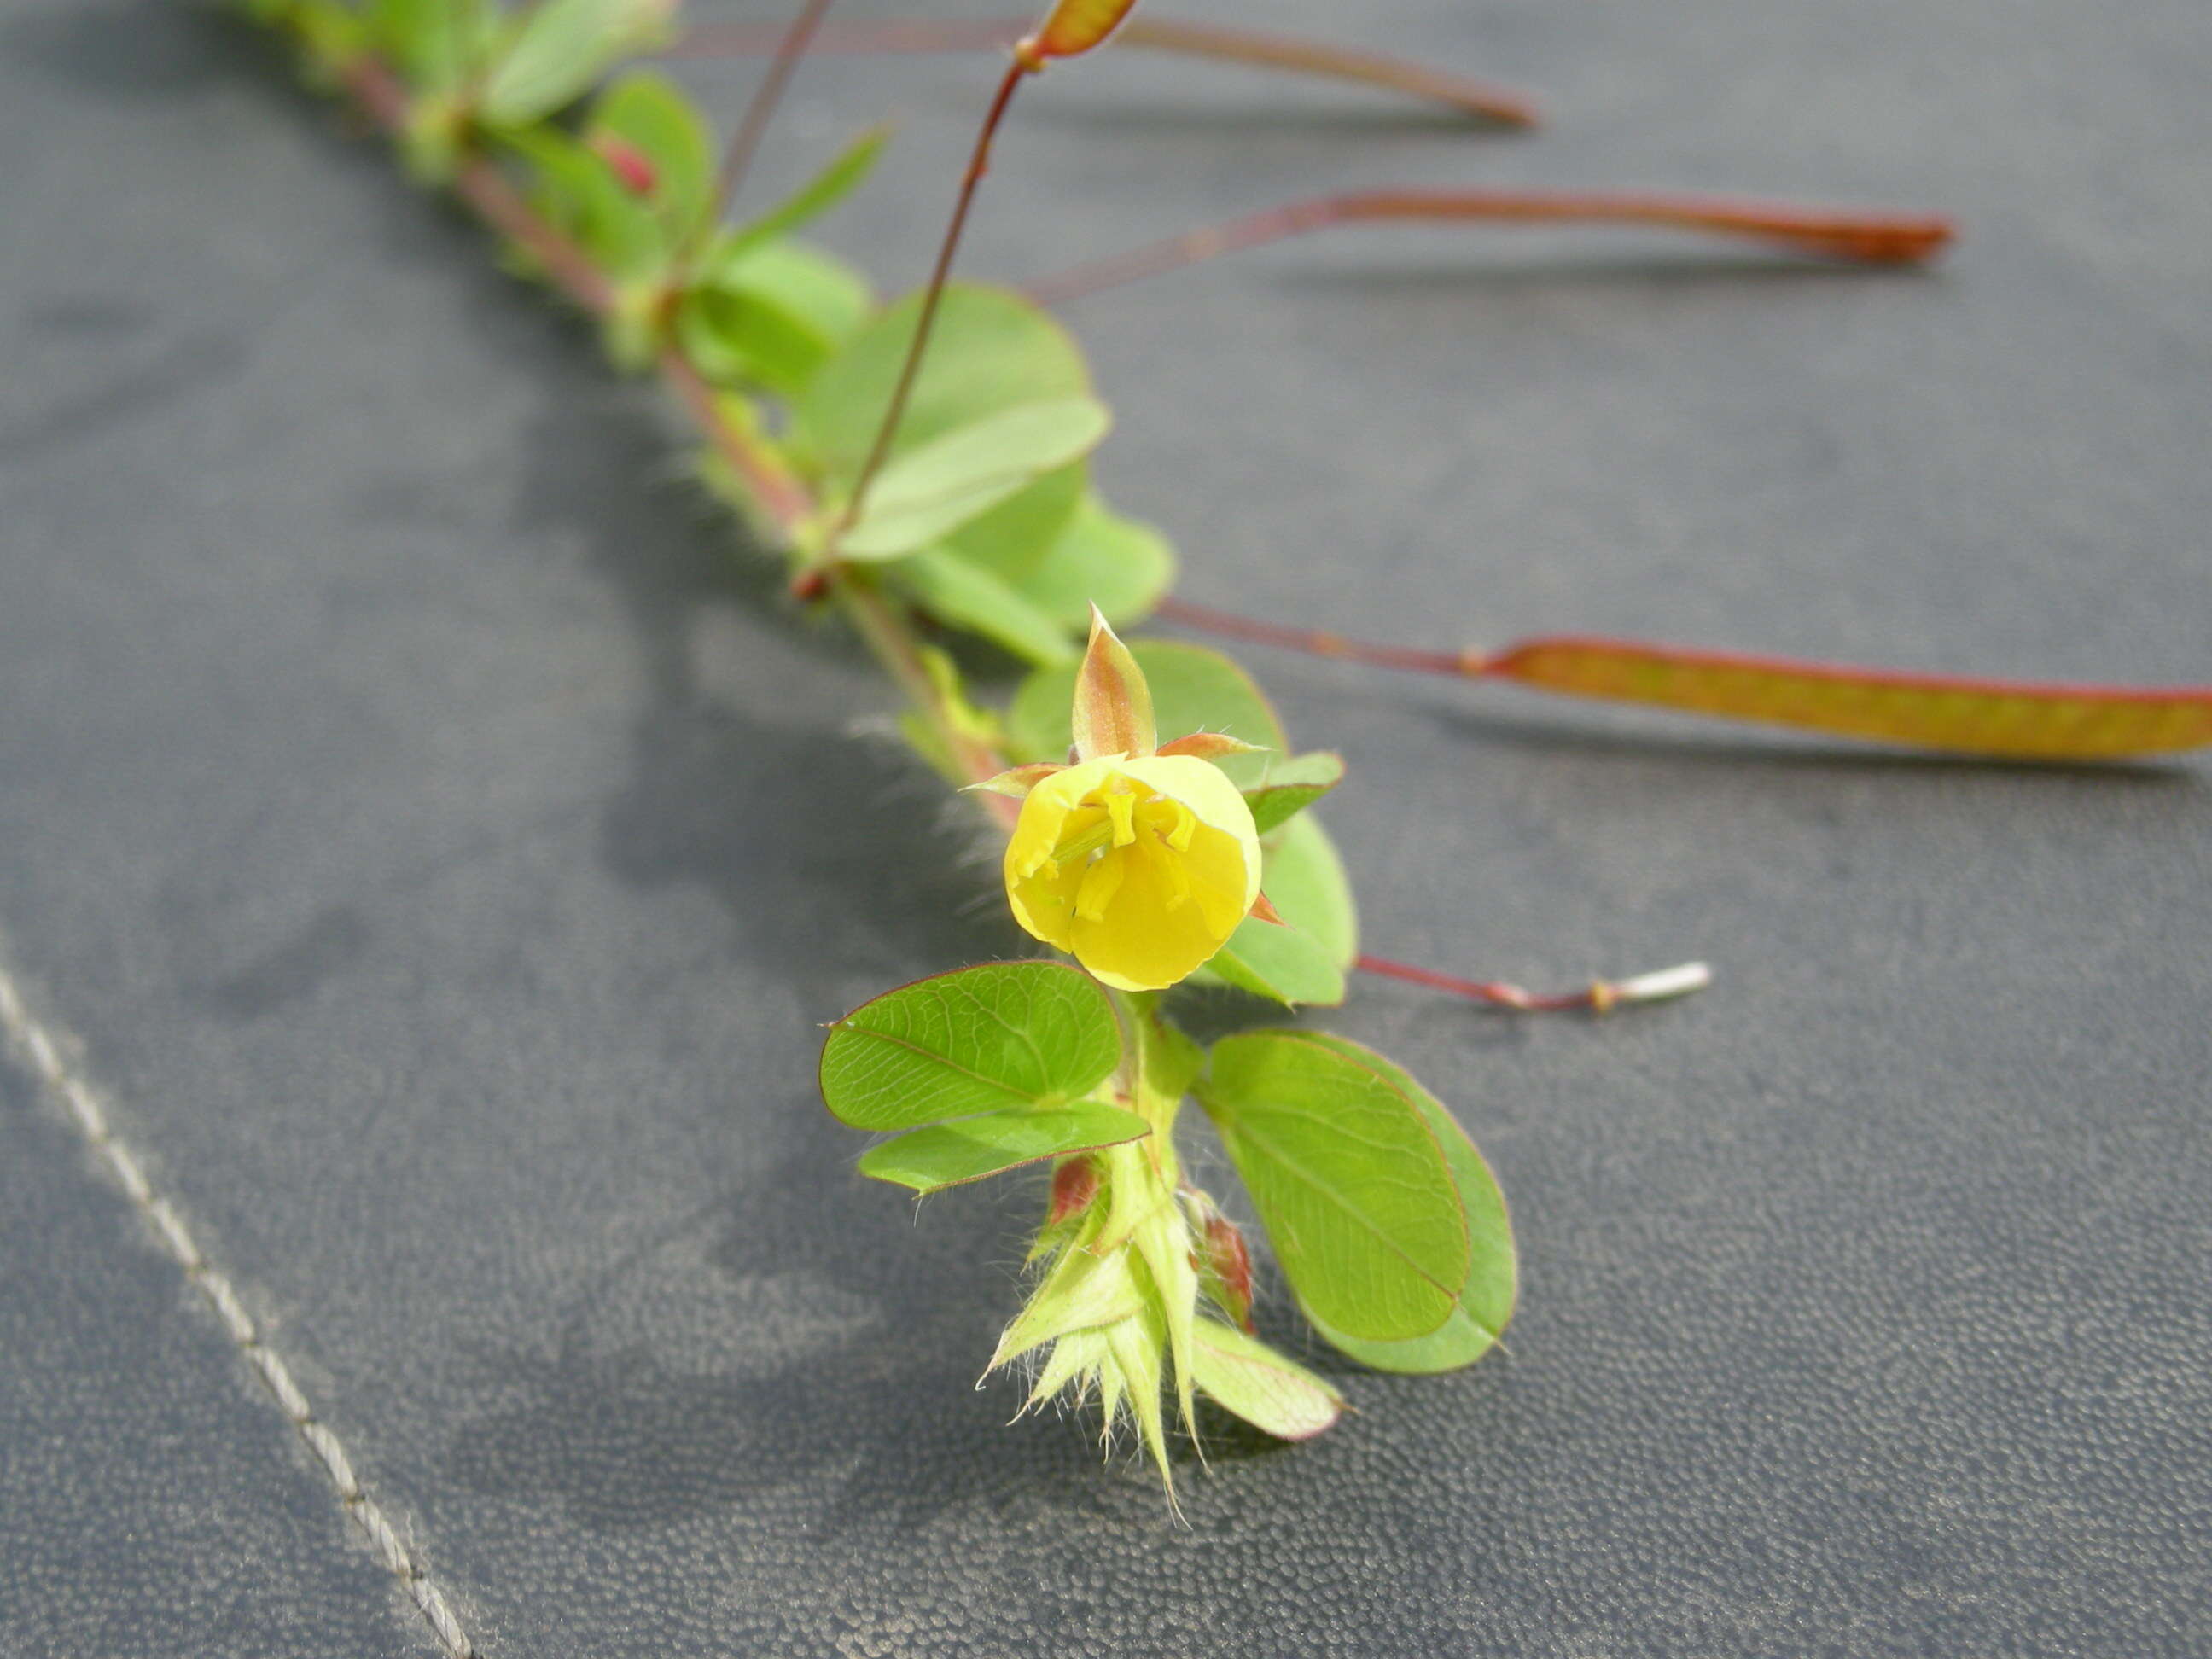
(630, 164)
(1073, 26)
(1074, 1184)
(1230, 1266)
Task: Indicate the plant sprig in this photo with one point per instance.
(926, 463)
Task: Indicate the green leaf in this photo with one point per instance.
(1304, 877)
(1284, 964)
(1349, 1179)
(1271, 1393)
(949, 1154)
(930, 490)
(772, 316)
(649, 113)
(1012, 539)
(330, 34)
(989, 1039)
(992, 350)
(1194, 689)
(1100, 558)
(435, 43)
(966, 596)
(1486, 1296)
(557, 49)
(1304, 963)
(1291, 786)
(580, 193)
(844, 174)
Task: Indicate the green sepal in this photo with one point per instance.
(1081, 1291)
(1247, 1377)
(1194, 689)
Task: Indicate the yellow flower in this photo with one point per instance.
(1140, 867)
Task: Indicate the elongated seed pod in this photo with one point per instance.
(1988, 717)
(1073, 26)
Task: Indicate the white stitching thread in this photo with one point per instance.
(43, 1050)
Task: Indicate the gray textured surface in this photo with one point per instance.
(155, 1504)
(443, 846)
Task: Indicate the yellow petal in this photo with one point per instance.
(1140, 865)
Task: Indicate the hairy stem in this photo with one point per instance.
(383, 97)
(1479, 99)
(1867, 238)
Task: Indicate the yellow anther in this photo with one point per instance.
(1100, 882)
(1186, 826)
(1122, 808)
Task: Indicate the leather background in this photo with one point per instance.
(444, 844)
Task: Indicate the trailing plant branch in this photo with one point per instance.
(1481, 99)
(383, 97)
(2027, 720)
(1867, 238)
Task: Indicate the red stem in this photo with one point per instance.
(1479, 99)
(792, 45)
(979, 164)
(483, 187)
(1318, 643)
(1869, 238)
(1496, 992)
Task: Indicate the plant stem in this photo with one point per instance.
(1318, 642)
(790, 47)
(887, 635)
(1479, 99)
(979, 164)
(1600, 996)
(383, 97)
(1865, 238)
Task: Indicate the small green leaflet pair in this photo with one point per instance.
(508, 69)
(984, 515)
(1386, 1221)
